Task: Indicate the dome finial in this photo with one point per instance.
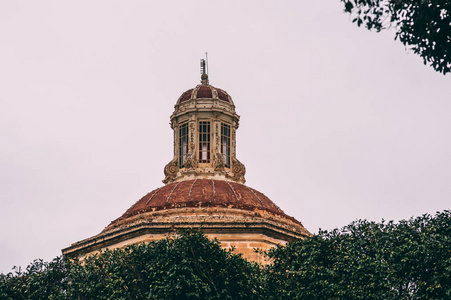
(204, 70)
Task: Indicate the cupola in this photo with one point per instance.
(204, 123)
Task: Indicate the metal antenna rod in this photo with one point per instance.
(206, 59)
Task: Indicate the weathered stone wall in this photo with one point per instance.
(246, 244)
(242, 230)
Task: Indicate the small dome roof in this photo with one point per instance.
(205, 92)
(203, 193)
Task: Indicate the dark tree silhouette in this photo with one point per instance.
(367, 260)
(424, 26)
(364, 260)
(188, 267)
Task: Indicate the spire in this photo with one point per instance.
(204, 70)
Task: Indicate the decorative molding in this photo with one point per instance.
(239, 170)
(175, 135)
(234, 140)
(191, 162)
(192, 144)
(170, 171)
(219, 162)
(217, 137)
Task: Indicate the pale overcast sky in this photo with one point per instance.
(337, 123)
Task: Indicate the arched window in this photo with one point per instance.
(204, 142)
(225, 144)
(183, 143)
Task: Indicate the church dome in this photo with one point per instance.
(204, 187)
(202, 193)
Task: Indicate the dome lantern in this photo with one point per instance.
(204, 123)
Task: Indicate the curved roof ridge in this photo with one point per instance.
(236, 196)
(189, 194)
(195, 90)
(155, 192)
(167, 199)
(261, 202)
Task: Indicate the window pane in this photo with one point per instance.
(225, 144)
(183, 143)
(204, 142)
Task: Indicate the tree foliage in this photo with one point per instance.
(364, 260)
(367, 260)
(188, 267)
(422, 25)
(40, 280)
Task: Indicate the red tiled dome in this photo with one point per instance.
(203, 193)
(204, 91)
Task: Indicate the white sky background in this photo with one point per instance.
(337, 123)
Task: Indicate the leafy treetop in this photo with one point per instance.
(364, 260)
(422, 25)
